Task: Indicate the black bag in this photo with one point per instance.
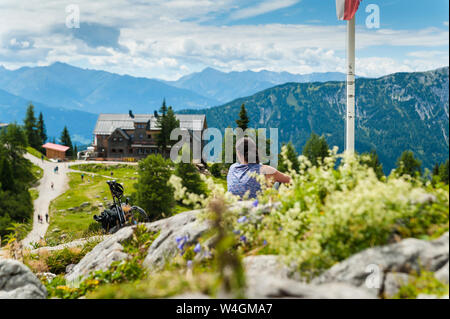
(109, 218)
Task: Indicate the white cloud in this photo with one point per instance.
(264, 7)
(166, 39)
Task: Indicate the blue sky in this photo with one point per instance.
(171, 38)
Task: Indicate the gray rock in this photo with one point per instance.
(367, 268)
(272, 287)
(101, 257)
(393, 282)
(442, 274)
(18, 282)
(165, 245)
(85, 204)
(69, 268)
(270, 266)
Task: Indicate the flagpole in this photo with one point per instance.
(350, 114)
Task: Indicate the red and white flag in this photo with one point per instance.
(346, 9)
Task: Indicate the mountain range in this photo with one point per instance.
(83, 92)
(394, 113)
(80, 124)
(225, 87)
(397, 112)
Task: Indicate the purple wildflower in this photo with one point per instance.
(242, 219)
(243, 238)
(189, 264)
(255, 203)
(265, 242)
(237, 231)
(197, 248)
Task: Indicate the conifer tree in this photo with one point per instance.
(41, 129)
(243, 120)
(65, 140)
(443, 172)
(153, 193)
(408, 164)
(31, 129)
(6, 175)
(315, 148)
(166, 123)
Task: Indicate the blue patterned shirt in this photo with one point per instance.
(239, 182)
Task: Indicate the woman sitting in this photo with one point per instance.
(239, 179)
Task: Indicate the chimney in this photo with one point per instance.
(130, 112)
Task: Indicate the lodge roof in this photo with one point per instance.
(108, 123)
(55, 147)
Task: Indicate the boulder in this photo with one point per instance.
(273, 287)
(187, 224)
(269, 266)
(69, 268)
(393, 282)
(101, 257)
(18, 282)
(165, 245)
(85, 204)
(367, 269)
(442, 274)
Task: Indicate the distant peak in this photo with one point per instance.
(210, 70)
(59, 64)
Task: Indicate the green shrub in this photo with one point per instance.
(329, 214)
(153, 193)
(190, 178)
(216, 170)
(426, 283)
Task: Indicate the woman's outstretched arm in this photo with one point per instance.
(273, 175)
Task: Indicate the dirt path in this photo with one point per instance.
(46, 195)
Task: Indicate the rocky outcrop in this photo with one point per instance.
(18, 282)
(184, 225)
(101, 257)
(268, 277)
(273, 287)
(269, 266)
(393, 282)
(442, 274)
(368, 268)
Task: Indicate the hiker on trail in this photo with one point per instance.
(82, 177)
(42, 158)
(239, 180)
(46, 217)
(56, 169)
(51, 185)
(39, 218)
(112, 173)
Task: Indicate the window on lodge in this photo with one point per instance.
(113, 150)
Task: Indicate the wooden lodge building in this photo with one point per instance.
(133, 137)
(55, 151)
